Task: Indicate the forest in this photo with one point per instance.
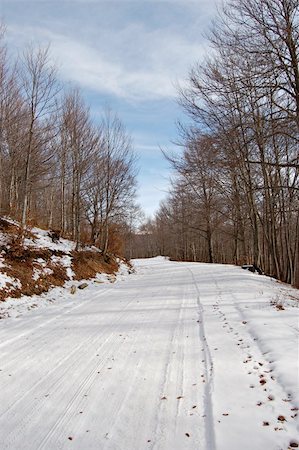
(58, 168)
(234, 193)
(122, 331)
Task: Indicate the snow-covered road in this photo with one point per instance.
(177, 356)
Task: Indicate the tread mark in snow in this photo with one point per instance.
(208, 372)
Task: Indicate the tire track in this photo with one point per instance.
(175, 394)
(34, 406)
(52, 319)
(208, 373)
(84, 388)
(84, 344)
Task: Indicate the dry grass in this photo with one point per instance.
(14, 231)
(86, 264)
(7, 227)
(21, 264)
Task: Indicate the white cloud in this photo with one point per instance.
(89, 68)
(138, 64)
(135, 50)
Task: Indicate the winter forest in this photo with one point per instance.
(149, 224)
(60, 170)
(234, 195)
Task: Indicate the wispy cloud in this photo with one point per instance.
(129, 54)
(88, 67)
(138, 64)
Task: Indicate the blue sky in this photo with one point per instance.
(128, 55)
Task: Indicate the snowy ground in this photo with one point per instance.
(177, 356)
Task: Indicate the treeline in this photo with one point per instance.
(58, 168)
(234, 197)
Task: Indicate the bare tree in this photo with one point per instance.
(118, 170)
(244, 99)
(80, 140)
(39, 89)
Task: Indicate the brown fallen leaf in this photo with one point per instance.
(281, 418)
(279, 307)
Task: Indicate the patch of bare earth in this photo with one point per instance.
(86, 264)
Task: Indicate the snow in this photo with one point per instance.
(40, 269)
(176, 356)
(65, 261)
(42, 240)
(8, 282)
(3, 239)
(37, 272)
(2, 262)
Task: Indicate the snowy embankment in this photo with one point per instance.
(177, 356)
(35, 263)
